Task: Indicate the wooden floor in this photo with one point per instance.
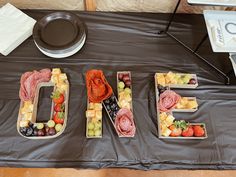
(45, 172)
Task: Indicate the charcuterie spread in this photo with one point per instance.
(31, 83)
(168, 102)
(119, 111)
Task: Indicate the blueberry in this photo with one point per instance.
(29, 131)
(107, 101)
(35, 132)
(113, 98)
(113, 106)
(108, 107)
(23, 130)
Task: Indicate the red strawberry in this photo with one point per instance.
(59, 117)
(59, 108)
(175, 131)
(188, 131)
(198, 131)
(57, 97)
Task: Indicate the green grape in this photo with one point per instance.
(90, 125)
(40, 126)
(98, 132)
(90, 133)
(58, 127)
(51, 123)
(121, 85)
(128, 90)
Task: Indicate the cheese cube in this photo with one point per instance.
(90, 113)
(24, 123)
(166, 133)
(54, 79)
(62, 77)
(56, 71)
(169, 120)
(91, 106)
(98, 106)
(98, 115)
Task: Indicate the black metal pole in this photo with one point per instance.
(172, 16)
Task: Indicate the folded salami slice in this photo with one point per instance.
(29, 82)
(168, 100)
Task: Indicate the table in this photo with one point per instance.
(121, 41)
(228, 3)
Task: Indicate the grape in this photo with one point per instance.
(128, 90)
(90, 126)
(90, 133)
(41, 132)
(58, 127)
(121, 85)
(40, 126)
(52, 131)
(120, 76)
(126, 78)
(97, 125)
(128, 83)
(192, 81)
(98, 133)
(51, 123)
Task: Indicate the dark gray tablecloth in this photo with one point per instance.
(119, 42)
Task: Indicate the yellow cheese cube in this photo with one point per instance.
(90, 113)
(98, 106)
(62, 77)
(56, 71)
(91, 106)
(54, 79)
(169, 120)
(98, 115)
(24, 123)
(166, 133)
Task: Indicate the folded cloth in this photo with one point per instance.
(15, 27)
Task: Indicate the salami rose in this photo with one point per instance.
(124, 122)
(97, 87)
(168, 100)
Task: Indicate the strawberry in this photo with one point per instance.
(175, 131)
(59, 117)
(59, 108)
(188, 131)
(58, 98)
(176, 128)
(198, 130)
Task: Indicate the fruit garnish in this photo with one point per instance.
(121, 85)
(52, 131)
(59, 117)
(188, 132)
(192, 81)
(90, 125)
(127, 90)
(51, 123)
(59, 107)
(198, 131)
(58, 127)
(175, 131)
(120, 76)
(57, 97)
(41, 132)
(40, 126)
(98, 132)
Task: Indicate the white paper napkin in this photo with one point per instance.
(15, 27)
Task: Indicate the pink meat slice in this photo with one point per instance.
(168, 100)
(124, 122)
(29, 82)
